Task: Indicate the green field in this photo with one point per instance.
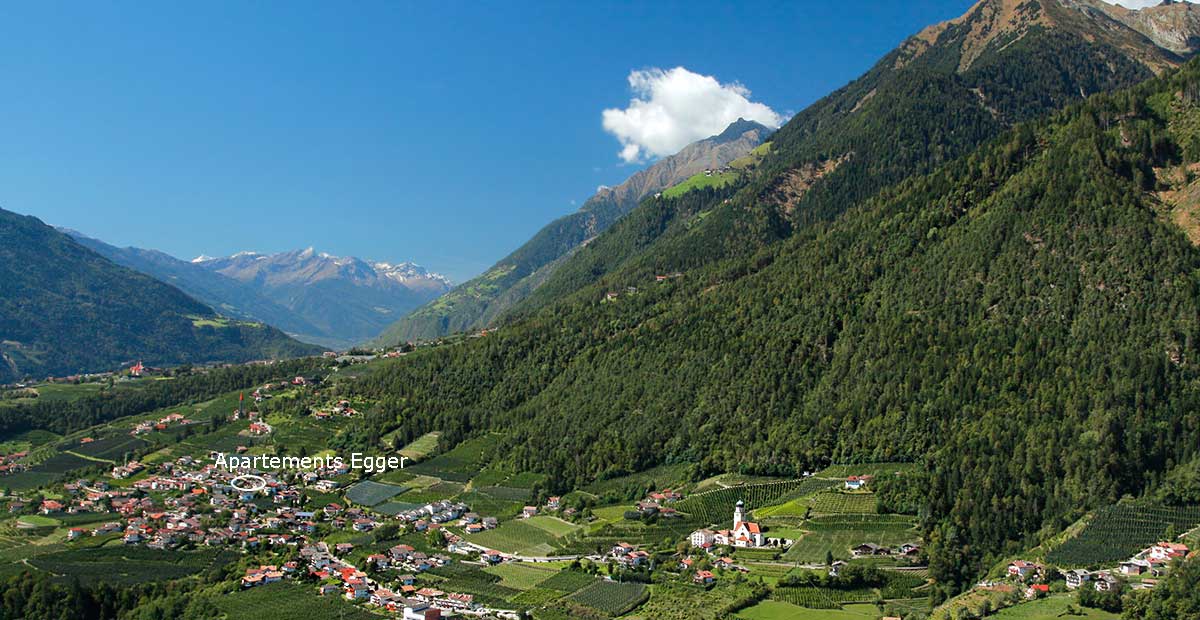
(38, 521)
(778, 610)
(700, 180)
(421, 447)
(837, 502)
(1052, 608)
(673, 601)
(521, 575)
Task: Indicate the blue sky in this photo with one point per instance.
(443, 133)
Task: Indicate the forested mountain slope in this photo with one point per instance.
(1023, 319)
(65, 309)
(477, 302)
(939, 95)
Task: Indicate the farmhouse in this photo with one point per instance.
(854, 483)
(1023, 570)
(1167, 551)
(1077, 577)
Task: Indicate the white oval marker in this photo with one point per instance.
(257, 483)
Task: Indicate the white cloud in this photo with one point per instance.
(671, 109)
(1139, 4)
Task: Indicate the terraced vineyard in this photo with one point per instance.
(1117, 532)
(459, 464)
(717, 506)
(835, 502)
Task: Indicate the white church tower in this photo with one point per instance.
(739, 513)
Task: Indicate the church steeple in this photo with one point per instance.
(739, 513)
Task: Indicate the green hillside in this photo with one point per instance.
(905, 328)
(909, 114)
(65, 309)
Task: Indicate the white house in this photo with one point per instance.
(702, 538)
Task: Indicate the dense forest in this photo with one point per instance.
(1022, 321)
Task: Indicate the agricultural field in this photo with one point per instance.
(663, 476)
(837, 502)
(716, 506)
(837, 534)
(520, 537)
(522, 575)
(121, 564)
(674, 601)
(1117, 532)
(1052, 608)
(287, 600)
(567, 581)
(421, 447)
(459, 464)
(778, 610)
(611, 597)
(370, 493)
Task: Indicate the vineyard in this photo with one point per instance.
(567, 581)
(834, 502)
(517, 537)
(118, 565)
(822, 598)
(287, 600)
(611, 597)
(459, 464)
(717, 506)
(836, 534)
(110, 448)
(1119, 531)
(370, 493)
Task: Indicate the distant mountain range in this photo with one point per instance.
(328, 300)
(479, 301)
(65, 309)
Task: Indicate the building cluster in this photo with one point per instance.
(341, 408)
(340, 577)
(744, 533)
(1147, 566)
(11, 463)
(162, 424)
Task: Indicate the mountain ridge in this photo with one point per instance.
(66, 309)
(477, 302)
(328, 300)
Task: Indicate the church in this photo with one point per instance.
(744, 533)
